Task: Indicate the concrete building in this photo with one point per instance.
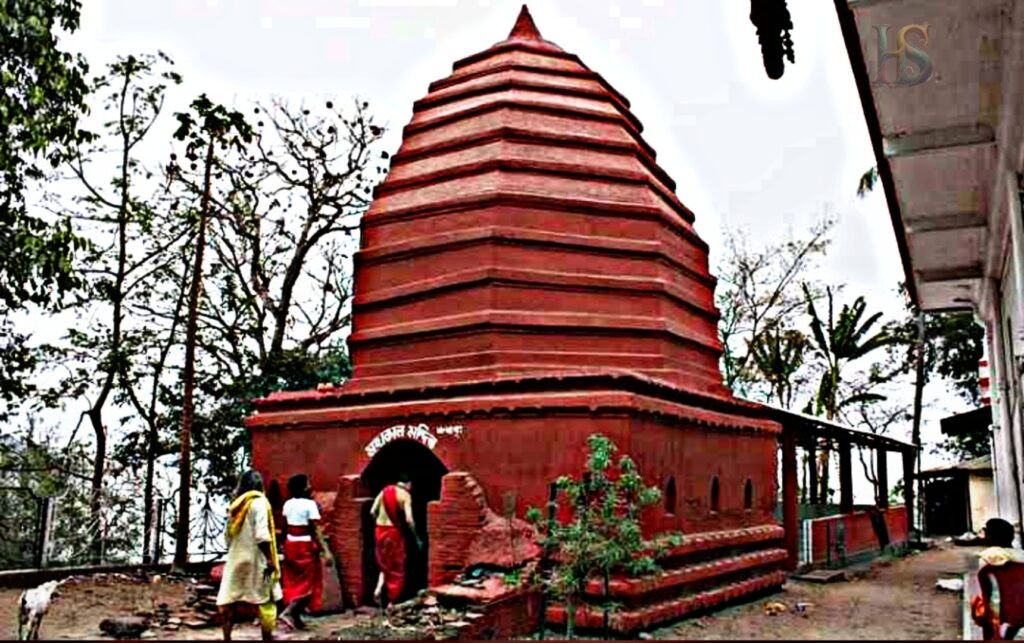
(941, 84)
(958, 498)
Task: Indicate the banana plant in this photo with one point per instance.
(778, 354)
(838, 341)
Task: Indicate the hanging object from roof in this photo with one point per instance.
(771, 18)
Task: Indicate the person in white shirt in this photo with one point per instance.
(304, 546)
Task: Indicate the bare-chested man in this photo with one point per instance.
(391, 504)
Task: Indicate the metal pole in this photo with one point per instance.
(37, 554)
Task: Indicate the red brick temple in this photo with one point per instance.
(528, 277)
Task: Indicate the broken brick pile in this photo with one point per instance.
(477, 605)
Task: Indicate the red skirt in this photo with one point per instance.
(302, 573)
(391, 559)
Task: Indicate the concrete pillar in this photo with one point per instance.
(908, 488)
(790, 517)
(882, 472)
(845, 477)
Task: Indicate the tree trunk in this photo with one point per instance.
(915, 436)
(149, 506)
(116, 364)
(96, 489)
(919, 381)
(188, 403)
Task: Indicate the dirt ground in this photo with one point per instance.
(76, 612)
(895, 600)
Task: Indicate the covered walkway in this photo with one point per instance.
(820, 533)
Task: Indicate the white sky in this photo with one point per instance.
(747, 152)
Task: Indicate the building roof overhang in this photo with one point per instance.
(977, 466)
(936, 135)
(810, 426)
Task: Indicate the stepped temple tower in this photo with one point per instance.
(528, 277)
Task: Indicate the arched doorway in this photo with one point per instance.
(425, 470)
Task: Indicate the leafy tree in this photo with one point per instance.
(604, 534)
(211, 126)
(129, 244)
(878, 418)
(757, 297)
(285, 212)
(946, 346)
(954, 344)
(968, 445)
(218, 432)
(42, 96)
(838, 342)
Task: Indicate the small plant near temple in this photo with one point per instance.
(603, 536)
(512, 578)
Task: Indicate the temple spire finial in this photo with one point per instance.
(524, 29)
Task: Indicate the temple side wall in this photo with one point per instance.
(520, 454)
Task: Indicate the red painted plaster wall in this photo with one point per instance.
(860, 535)
(527, 272)
(523, 454)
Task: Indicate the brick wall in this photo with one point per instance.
(453, 522)
(345, 531)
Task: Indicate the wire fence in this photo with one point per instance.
(40, 531)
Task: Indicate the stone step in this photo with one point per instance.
(714, 540)
(822, 576)
(627, 621)
(632, 588)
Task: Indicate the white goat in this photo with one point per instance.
(32, 607)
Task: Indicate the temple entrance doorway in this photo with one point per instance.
(425, 471)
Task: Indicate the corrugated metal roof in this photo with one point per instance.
(983, 463)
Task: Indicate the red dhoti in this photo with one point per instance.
(391, 547)
(391, 559)
(302, 573)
